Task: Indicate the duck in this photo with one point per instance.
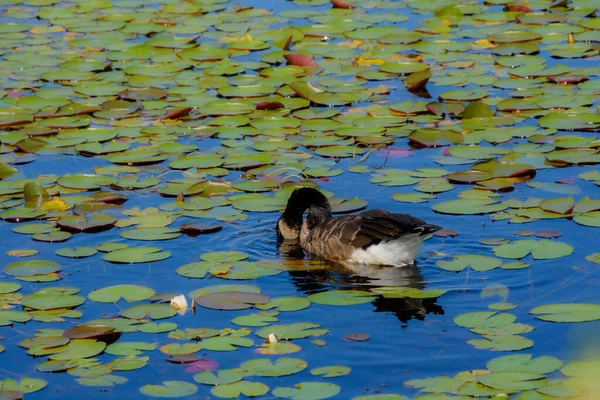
(375, 237)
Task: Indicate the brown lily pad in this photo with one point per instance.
(194, 229)
(103, 333)
(356, 337)
(182, 358)
(87, 223)
(231, 300)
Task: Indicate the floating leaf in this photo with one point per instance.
(567, 312)
(539, 249)
(469, 206)
(341, 297)
(524, 362)
(77, 252)
(7, 317)
(331, 371)
(477, 262)
(129, 348)
(226, 343)
(137, 255)
(154, 311)
(77, 349)
(484, 319)
(298, 330)
(50, 301)
(231, 300)
(502, 343)
(169, 389)
(129, 293)
(234, 390)
(308, 391)
(264, 367)
(31, 268)
(513, 381)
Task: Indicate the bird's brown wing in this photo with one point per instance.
(374, 226)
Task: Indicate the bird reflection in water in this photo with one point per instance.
(316, 275)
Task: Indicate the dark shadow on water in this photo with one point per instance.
(363, 277)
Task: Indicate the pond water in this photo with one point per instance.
(496, 142)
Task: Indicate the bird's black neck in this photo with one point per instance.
(319, 209)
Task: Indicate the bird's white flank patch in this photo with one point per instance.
(397, 252)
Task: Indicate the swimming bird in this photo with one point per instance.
(371, 237)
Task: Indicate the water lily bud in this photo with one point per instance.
(180, 303)
(272, 338)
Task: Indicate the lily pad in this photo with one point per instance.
(234, 390)
(307, 391)
(567, 312)
(265, 367)
(77, 252)
(129, 293)
(469, 206)
(154, 311)
(231, 300)
(298, 330)
(331, 371)
(170, 389)
(341, 297)
(132, 255)
(539, 249)
(475, 261)
(524, 362)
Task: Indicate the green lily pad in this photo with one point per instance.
(7, 317)
(298, 330)
(129, 293)
(31, 268)
(133, 255)
(77, 252)
(484, 319)
(246, 270)
(512, 381)
(539, 249)
(158, 233)
(224, 256)
(24, 386)
(231, 300)
(9, 287)
(169, 389)
(77, 349)
(403, 292)
(524, 362)
(475, 261)
(341, 297)
(307, 391)
(567, 312)
(226, 343)
(153, 311)
(222, 377)
(129, 348)
(84, 181)
(330, 371)
(200, 269)
(224, 288)
(502, 343)
(469, 206)
(49, 301)
(265, 367)
(180, 349)
(286, 303)
(234, 390)
(254, 320)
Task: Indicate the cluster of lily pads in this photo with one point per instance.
(211, 111)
